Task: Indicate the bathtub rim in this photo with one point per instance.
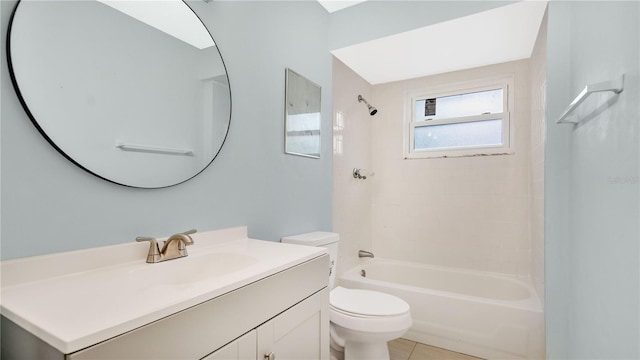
(532, 303)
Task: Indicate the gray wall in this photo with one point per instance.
(50, 205)
(592, 184)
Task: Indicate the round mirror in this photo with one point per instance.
(134, 92)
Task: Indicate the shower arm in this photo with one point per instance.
(372, 110)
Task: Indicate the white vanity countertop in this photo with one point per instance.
(76, 299)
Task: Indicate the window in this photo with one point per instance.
(464, 120)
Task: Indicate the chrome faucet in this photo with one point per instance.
(362, 253)
(174, 247)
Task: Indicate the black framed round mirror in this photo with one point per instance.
(134, 92)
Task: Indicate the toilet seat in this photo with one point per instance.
(366, 303)
(368, 311)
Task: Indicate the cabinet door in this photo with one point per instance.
(243, 348)
(300, 333)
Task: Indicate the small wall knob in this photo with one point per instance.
(270, 356)
(361, 173)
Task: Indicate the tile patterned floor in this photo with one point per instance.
(403, 349)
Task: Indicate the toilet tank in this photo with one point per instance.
(327, 240)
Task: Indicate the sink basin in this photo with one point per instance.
(191, 269)
(215, 264)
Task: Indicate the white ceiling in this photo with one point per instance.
(499, 35)
(169, 16)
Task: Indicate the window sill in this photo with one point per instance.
(450, 154)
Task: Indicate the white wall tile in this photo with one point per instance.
(473, 212)
(536, 174)
(468, 212)
(352, 206)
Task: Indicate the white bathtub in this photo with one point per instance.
(483, 314)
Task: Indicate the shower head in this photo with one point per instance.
(372, 110)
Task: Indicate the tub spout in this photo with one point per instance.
(363, 253)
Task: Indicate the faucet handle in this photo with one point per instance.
(187, 233)
(145, 238)
(154, 252)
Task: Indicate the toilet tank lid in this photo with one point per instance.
(317, 238)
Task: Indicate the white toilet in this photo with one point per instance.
(362, 321)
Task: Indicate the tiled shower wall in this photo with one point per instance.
(538, 92)
(481, 213)
(351, 149)
(467, 212)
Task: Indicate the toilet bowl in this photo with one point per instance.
(362, 321)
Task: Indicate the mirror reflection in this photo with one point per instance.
(302, 116)
(135, 92)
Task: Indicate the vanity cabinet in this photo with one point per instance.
(298, 333)
(301, 332)
(285, 313)
(243, 348)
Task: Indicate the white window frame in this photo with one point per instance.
(508, 130)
